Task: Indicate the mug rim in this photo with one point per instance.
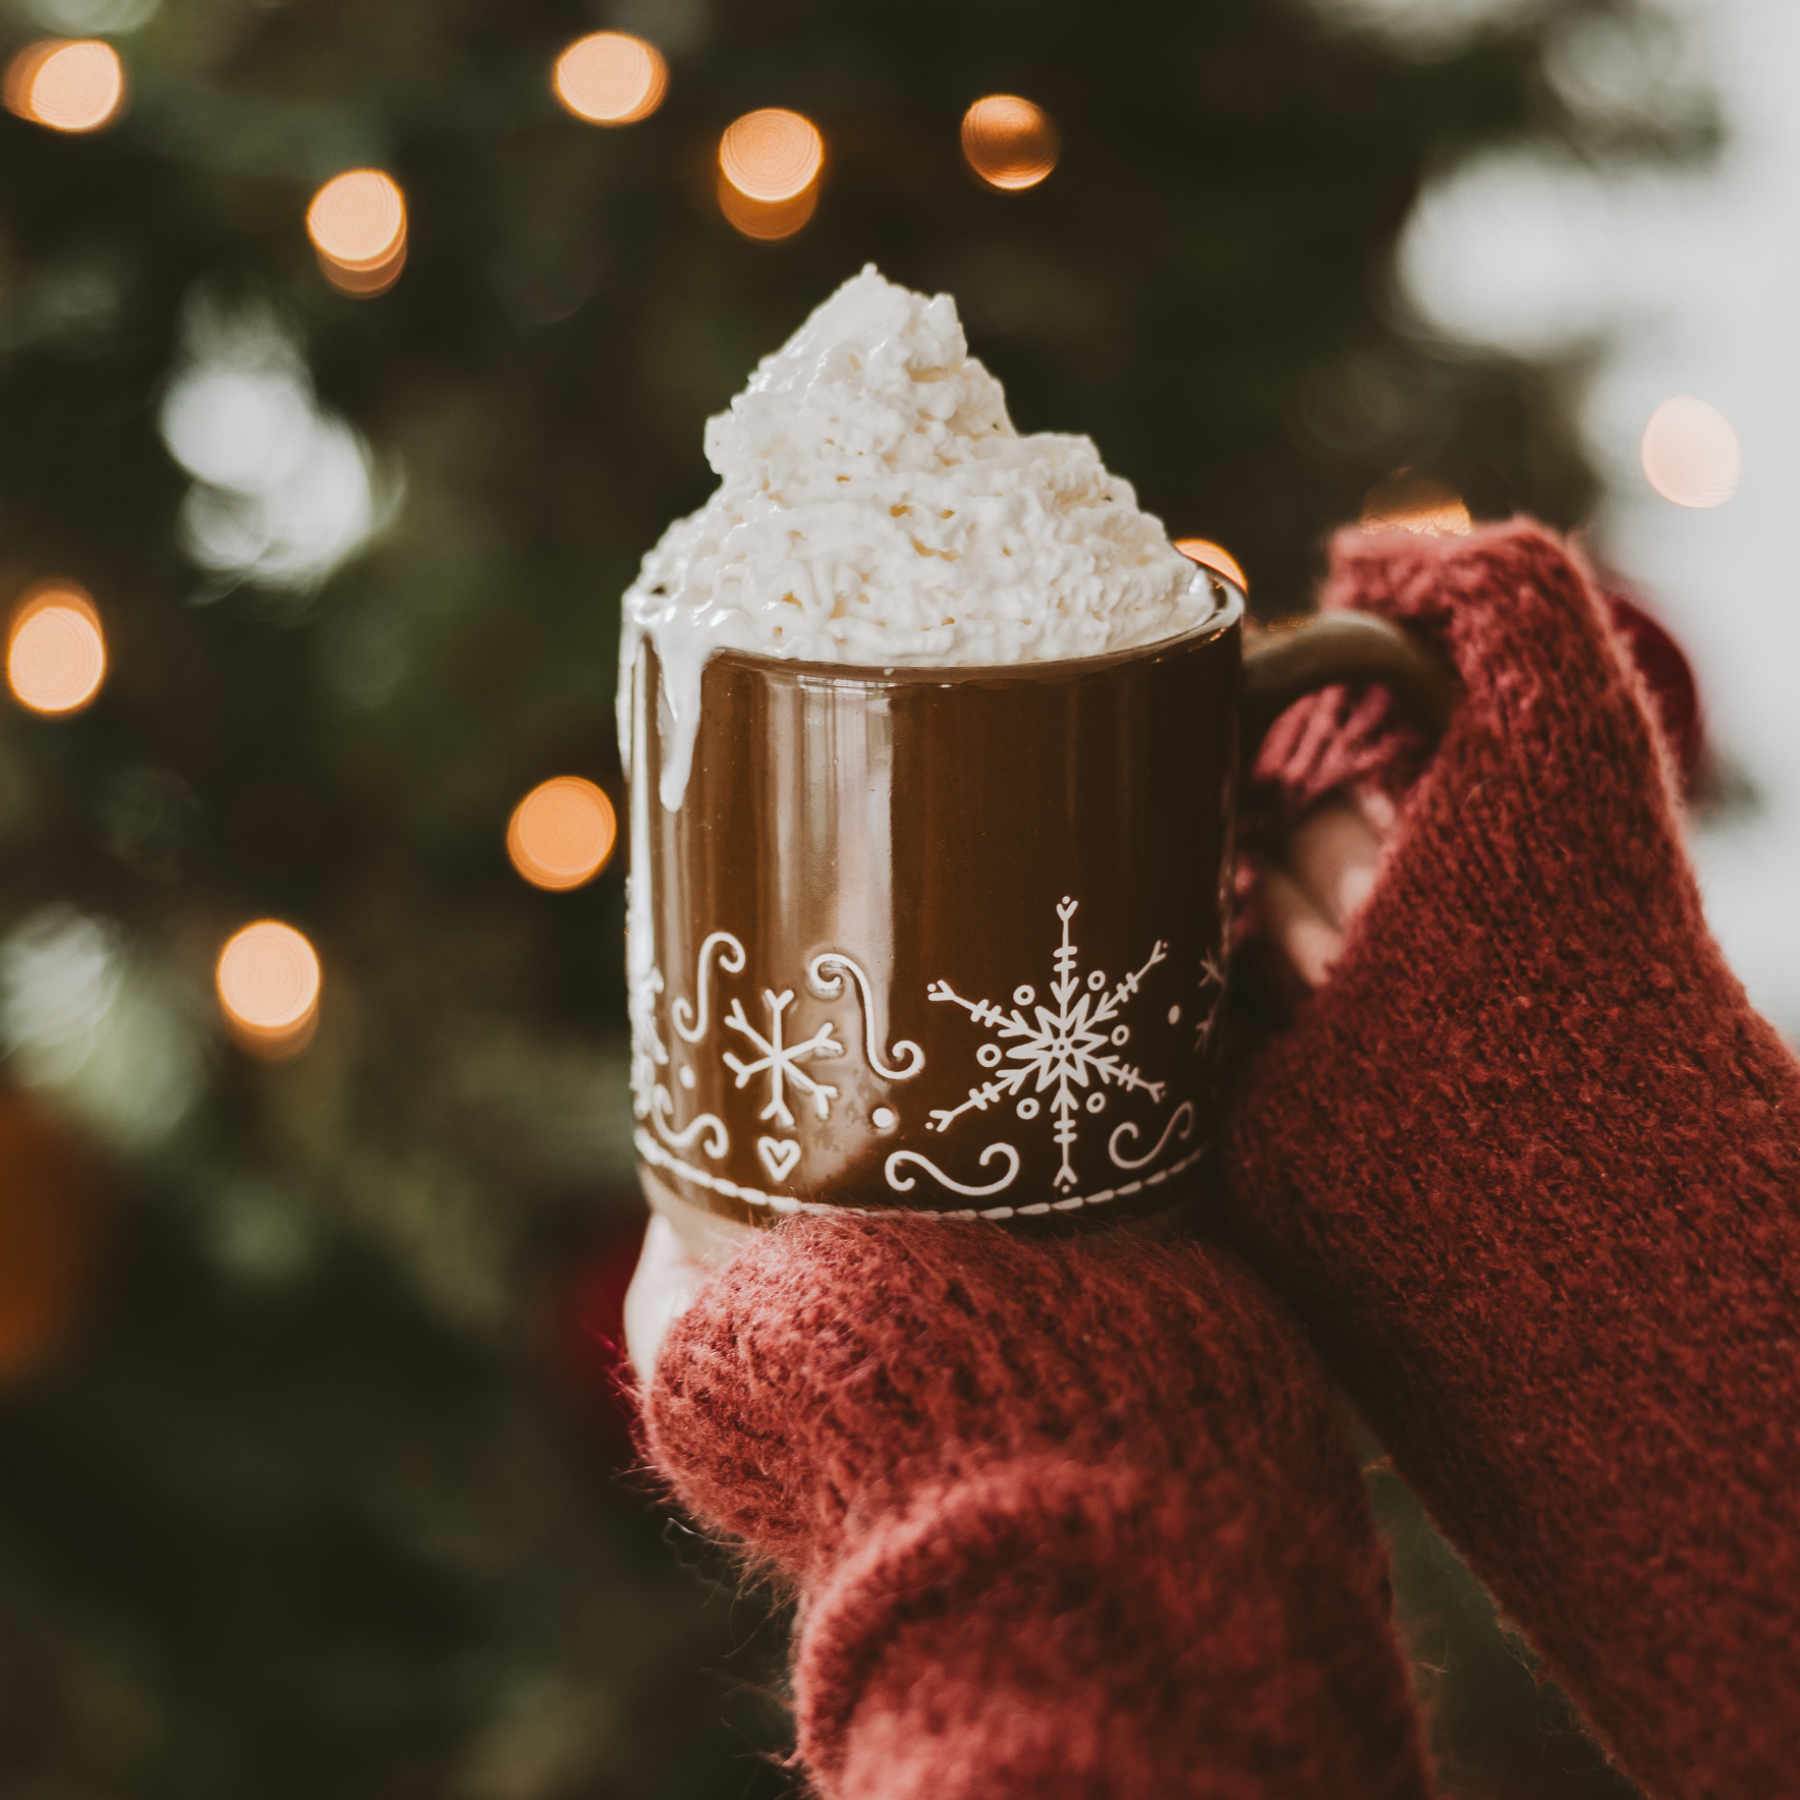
(1228, 612)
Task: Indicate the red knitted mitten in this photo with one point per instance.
(1070, 1519)
(1529, 1166)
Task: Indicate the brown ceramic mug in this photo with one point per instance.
(952, 940)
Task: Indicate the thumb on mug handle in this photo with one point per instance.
(1299, 656)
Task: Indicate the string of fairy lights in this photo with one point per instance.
(770, 165)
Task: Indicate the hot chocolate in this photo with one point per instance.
(877, 508)
(933, 742)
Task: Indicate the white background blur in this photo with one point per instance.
(1691, 281)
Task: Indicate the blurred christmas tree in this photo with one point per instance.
(320, 1494)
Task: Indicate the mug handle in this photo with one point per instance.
(1296, 657)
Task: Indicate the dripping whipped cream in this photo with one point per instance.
(876, 508)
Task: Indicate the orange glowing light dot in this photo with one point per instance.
(55, 650)
(269, 981)
(358, 219)
(767, 221)
(68, 84)
(1010, 143)
(1407, 501)
(562, 833)
(362, 283)
(1215, 557)
(1690, 453)
(610, 78)
(772, 155)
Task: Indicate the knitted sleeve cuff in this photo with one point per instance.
(1045, 1627)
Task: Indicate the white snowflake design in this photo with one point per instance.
(1074, 1047)
(782, 1061)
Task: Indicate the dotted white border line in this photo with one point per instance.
(653, 1152)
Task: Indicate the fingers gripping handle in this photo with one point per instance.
(1293, 660)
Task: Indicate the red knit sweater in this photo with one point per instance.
(1078, 1520)
(1070, 1519)
(1529, 1167)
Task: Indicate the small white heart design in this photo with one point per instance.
(779, 1156)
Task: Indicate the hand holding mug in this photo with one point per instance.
(1157, 842)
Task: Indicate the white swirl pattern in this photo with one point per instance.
(714, 1139)
(687, 1027)
(1183, 1116)
(828, 987)
(904, 1184)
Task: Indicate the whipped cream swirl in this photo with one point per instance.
(876, 507)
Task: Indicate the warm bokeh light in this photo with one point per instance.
(361, 283)
(55, 650)
(562, 833)
(1010, 143)
(268, 980)
(357, 222)
(1215, 557)
(1690, 453)
(611, 78)
(1410, 501)
(768, 221)
(67, 84)
(772, 155)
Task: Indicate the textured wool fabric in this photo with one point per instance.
(1068, 1518)
(1529, 1166)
